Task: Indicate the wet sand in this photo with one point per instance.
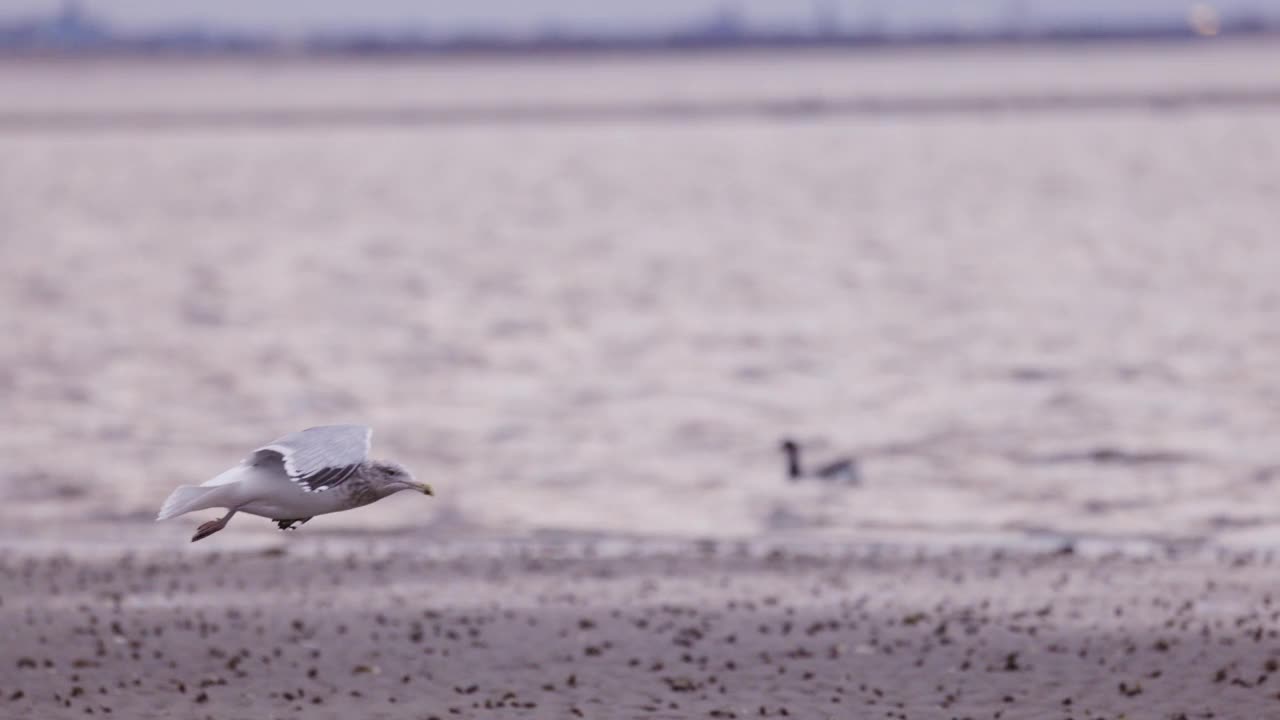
(710, 630)
(1058, 321)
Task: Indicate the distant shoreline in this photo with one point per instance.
(379, 47)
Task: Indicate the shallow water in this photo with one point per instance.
(1060, 323)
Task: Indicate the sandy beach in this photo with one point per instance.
(1045, 325)
(711, 630)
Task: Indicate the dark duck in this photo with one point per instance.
(843, 471)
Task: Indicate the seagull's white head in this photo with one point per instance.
(394, 477)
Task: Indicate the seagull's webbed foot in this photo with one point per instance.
(211, 527)
(289, 524)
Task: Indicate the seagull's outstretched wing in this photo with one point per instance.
(319, 458)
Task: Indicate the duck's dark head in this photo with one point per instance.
(792, 449)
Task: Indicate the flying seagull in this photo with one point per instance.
(841, 470)
(303, 474)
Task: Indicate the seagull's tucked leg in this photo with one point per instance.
(212, 527)
(288, 524)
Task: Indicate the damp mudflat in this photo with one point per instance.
(1052, 320)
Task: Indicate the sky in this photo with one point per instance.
(616, 15)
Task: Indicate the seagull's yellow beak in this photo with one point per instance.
(426, 489)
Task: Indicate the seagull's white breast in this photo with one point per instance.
(268, 492)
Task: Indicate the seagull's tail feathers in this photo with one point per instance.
(188, 498)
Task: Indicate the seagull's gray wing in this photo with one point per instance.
(319, 458)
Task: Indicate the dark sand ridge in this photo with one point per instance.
(793, 108)
(708, 632)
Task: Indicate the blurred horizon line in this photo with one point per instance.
(72, 30)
